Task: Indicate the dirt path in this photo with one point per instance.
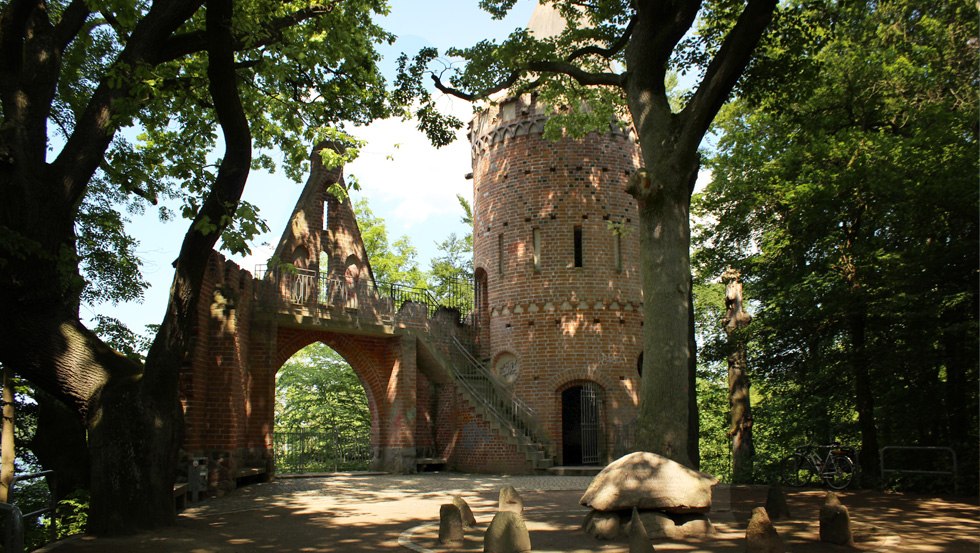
(350, 513)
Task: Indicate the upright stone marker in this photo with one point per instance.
(510, 500)
(507, 534)
(638, 539)
(464, 508)
(450, 525)
(761, 535)
(835, 521)
(776, 503)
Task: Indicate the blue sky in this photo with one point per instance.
(407, 182)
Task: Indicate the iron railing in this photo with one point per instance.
(321, 451)
(507, 407)
(13, 536)
(313, 289)
(923, 460)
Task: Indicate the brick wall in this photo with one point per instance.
(563, 323)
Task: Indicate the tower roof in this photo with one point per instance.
(546, 22)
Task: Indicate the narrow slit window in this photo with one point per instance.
(326, 209)
(500, 253)
(536, 243)
(578, 246)
(618, 252)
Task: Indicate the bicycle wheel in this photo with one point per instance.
(839, 473)
(796, 473)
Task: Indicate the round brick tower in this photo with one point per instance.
(558, 284)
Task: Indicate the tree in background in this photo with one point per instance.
(391, 263)
(323, 421)
(739, 398)
(451, 273)
(75, 74)
(612, 63)
(316, 387)
(846, 191)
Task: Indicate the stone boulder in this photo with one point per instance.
(602, 525)
(761, 535)
(649, 481)
(507, 533)
(660, 525)
(510, 500)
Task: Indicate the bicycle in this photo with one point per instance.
(836, 469)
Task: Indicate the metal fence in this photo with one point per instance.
(929, 461)
(312, 289)
(322, 451)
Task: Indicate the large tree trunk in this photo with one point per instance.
(7, 450)
(693, 416)
(60, 445)
(663, 196)
(864, 398)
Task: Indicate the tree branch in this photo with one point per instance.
(609, 51)
(581, 76)
(226, 191)
(95, 128)
(724, 70)
(13, 26)
(196, 41)
(72, 21)
(445, 89)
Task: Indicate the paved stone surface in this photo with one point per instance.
(353, 514)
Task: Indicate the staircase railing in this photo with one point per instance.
(475, 377)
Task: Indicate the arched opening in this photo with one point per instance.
(352, 276)
(581, 413)
(322, 414)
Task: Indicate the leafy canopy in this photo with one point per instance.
(306, 70)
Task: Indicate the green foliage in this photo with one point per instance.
(848, 200)
(391, 263)
(323, 422)
(716, 448)
(299, 83)
(72, 514)
(451, 273)
(118, 336)
(316, 388)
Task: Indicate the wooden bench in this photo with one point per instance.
(430, 463)
(180, 496)
(250, 475)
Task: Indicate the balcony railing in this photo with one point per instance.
(304, 287)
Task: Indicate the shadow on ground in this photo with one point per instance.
(350, 513)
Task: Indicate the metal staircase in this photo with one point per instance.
(512, 418)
